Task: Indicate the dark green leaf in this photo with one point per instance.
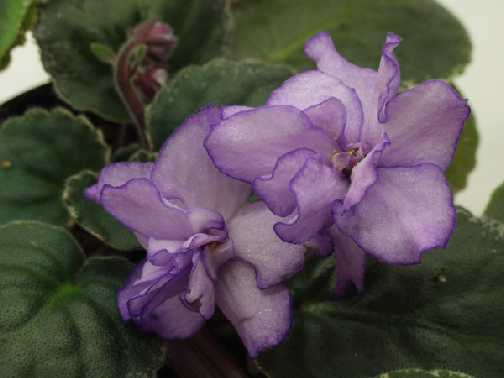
(435, 43)
(38, 152)
(92, 217)
(124, 153)
(143, 156)
(495, 208)
(66, 29)
(59, 316)
(464, 160)
(419, 373)
(16, 17)
(447, 312)
(220, 82)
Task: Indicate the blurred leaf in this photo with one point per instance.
(446, 312)
(464, 160)
(495, 208)
(59, 316)
(92, 217)
(16, 17)
(435, 45)
(219, 82)
(66, 29)
(419, 373)
(102, 52)
(38, 152)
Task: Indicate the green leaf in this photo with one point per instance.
(419, 373)
(464, 160)
(495, 208)
(92, 217)
(102, 52)
(124, 153)
(59, 316)
(435, 43)
(66, 29)
(16, 16)
(143, 156)
(446, 312)
(219, 82)
(38, 152)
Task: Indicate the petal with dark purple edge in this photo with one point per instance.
(424, 125)
(254, 241)
(316, 187)
(166, 314)
(274, 189)
(139, 206)
(116, 175)
(231, 110)
(175, 254)
(314, 87)
(329, 115)
(374, 88)
(200, 294)
(406, 212)
(364, 174)
(389, 74)
(248, 144)
(184, 170)
(262, 317)
(140, 279)
(350, 264)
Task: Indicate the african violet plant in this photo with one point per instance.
(200, 200)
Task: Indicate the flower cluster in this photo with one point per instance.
(342, 162)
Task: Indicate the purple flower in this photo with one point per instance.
(206, 245)
(343, 154)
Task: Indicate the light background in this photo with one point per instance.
(482, 83)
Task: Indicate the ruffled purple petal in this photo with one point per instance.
(262, 317)
(116, 175)
(316, 187)
(167, 315)
(350, 264)
(424, 125)
(151, 298)
(142, 277)
(248, 144)
(183, 169)
(200, 294)
(389, 74)
(173, 255)
(406, 212)
(139, 206)
(172, 320)
(314, 87)
(203, 220)
(254, 241)
(214, 257)
(330, 115)
(374, 88)
(274, 189)
(321, 244)
(228, 111)
(364, 175)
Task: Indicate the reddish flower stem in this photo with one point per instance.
(128, 93)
